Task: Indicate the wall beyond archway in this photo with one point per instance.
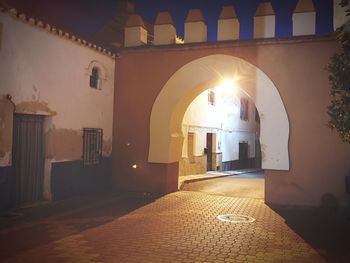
(189, 81)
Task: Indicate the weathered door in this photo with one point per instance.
(243, 155)
(28, 157)
(209, 151)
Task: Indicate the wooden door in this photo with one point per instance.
(28, 157)
(243, 155)
(209, 151)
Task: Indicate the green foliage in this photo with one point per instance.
(342, 33)
(344, 3)
(339, 109)
(339, 79)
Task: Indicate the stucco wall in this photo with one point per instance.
(223, 118)
(49, 74)
(318, 158)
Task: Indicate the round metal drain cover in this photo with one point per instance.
(234, 218)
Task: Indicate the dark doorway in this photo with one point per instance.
(257, 159)
(28, 157)
(209, 151)
(243, 155)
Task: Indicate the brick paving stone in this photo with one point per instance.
(179, 227)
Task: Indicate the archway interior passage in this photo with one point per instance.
(221, 131)
(166, 135)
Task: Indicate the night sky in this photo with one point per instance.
(85, 17)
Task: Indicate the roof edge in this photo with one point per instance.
(55, 31)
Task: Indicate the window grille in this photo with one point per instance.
(94, 77)
(92, 145)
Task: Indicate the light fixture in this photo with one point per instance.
(134, 166)
(226, 86)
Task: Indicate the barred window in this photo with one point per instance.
(92, 145)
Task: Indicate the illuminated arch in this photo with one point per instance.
(188, 82)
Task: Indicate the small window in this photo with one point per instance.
(211, 97)
(94, 78)
(92, 145)
(244, 109)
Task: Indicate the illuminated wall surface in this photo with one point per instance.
(223, 119)
(47, 73)
(275, 73)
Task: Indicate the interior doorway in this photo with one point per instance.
(209, 150)
(28, 157)
(243, 155)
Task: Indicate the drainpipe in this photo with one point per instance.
(9, 98)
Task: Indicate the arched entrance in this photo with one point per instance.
(166, 136)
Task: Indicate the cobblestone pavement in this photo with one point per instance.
(250, 185)
(179, 227)
(212, 175)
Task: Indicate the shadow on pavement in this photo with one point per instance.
(327, 230)
(36, 226)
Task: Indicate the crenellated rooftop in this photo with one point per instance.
(264, 9)
(303, 19)
(227, 12)
(304, 6)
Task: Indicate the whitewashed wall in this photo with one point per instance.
(222, 119)
(49, 74)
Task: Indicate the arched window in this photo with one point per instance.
(94, 78)
(96, 75)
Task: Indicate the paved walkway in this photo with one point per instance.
(211, 175)
(179, 227)
(251, 185)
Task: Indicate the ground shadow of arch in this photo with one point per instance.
(329, 202)
(326, 228)
(166, 136)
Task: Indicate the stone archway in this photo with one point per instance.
(166, 136)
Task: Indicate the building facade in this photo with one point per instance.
(304, 161)
(221, 132)
(56, 104)
(74, 116)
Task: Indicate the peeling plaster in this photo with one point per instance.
(64, 144)
(67, 144)
(6, 122)
(35, 106)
